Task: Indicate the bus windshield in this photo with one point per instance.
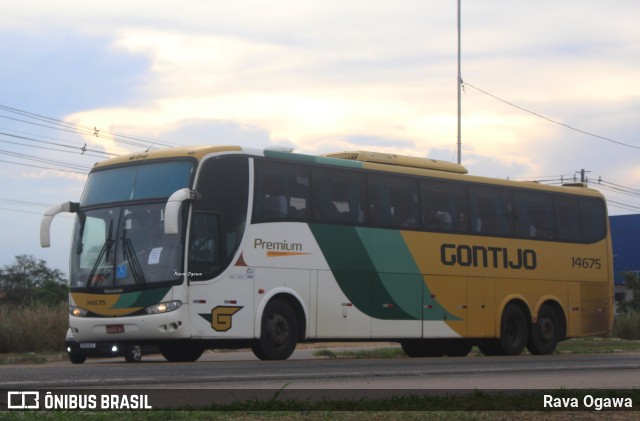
(124, 247)
(136, 182)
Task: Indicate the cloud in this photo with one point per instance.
(55, 73)
(329, 75)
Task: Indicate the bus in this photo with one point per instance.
(205, 247)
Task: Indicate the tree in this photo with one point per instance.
(30, 280)
(632, 281)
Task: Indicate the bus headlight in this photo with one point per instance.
(77, 311)
(164, 307)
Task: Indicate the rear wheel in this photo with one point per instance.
(545, 333)
(278, 333)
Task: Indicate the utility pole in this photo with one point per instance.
(459, 92)
(583, 175)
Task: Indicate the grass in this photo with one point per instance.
(37, 328)
(592, 345)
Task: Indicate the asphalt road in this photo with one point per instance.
(241, 370)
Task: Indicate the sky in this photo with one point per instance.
(550, 88)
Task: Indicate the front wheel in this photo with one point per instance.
(132, 353)
(77, 358)
(278, 333)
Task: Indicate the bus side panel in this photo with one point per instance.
(447, 305)
(388, 326)
(594, 308)
(223, 308)
(273, 281)
(481, 308)
(337, 317)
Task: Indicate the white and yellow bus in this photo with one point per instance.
(219, 247)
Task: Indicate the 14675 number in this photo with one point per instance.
(585, 263)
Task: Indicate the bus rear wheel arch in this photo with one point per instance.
(280, 329)
(514, 333)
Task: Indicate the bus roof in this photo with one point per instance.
(400, 160)
(355, 159)
(181, 151)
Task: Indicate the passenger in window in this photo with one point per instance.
(431, 219)
(444, 221)
(274, 207)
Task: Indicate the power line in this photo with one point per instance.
(81, 150)
(552, 120)
(44, 160)
(43, 167)
(52, 123)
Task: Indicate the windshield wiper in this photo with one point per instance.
(130, 255)
(105, 250)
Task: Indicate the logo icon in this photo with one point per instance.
(221, 317)
(23, 400)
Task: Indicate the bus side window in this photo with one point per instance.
(534, 215)
(393, 201)
(490, 210)
(338, 196)
(568, 226)
(204, 241)
(221, 208)
(444, 206)
(592, 220)
(281, 191)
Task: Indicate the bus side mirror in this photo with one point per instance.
(45, 224)
(172, 210)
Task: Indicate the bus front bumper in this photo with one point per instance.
(149, 327)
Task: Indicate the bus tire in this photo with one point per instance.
(457, 348)
(545, 333)
(76, 358)
(420, 348)
(181, 353)
(132, 353)
(514, 330)
(278, 333)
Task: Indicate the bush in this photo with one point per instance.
(35, 328)
(627, 326)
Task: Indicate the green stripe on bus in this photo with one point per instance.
(355, 273)
(312, 159)
(399, 273)
(141, 298)
(375, 270)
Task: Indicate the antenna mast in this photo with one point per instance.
(459, 93)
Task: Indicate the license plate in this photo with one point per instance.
(115, 328)
(88, 345)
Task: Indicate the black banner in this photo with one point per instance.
(318, 399)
